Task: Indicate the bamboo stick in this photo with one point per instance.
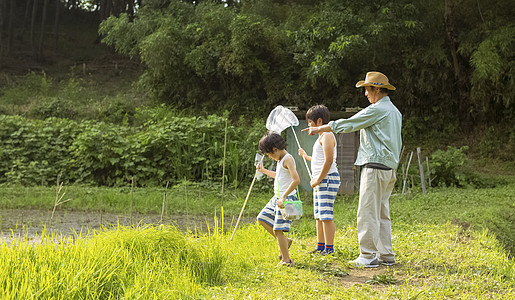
(428, 172)
(132, 187)
(406, 178)
(246, 198)
(164, 201)
(421, 168)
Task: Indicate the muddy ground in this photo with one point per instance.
(30, 223)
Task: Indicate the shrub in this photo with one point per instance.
(35, 151)
(445, 165)
(171, 148)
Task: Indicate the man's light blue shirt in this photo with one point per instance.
(380, 133)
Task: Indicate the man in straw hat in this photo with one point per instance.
(378, 155)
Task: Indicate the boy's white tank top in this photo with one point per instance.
(283, 178)
(317, 159)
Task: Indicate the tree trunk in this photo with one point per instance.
(2, 13)
(42, 32)
(104, 9)
(25, 17)
(109, 9)
(460, 76)
(72, 4)
(32, 24)
(130, 9)
(10, 31)
(56, 25)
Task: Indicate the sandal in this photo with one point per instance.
(286, 264)
(290, 241)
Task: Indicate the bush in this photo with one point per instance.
(161, 149)
(446, 164)
(35, 151)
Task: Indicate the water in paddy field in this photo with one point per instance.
(30, 223)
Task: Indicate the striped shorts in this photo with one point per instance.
(271, 214)
(324, 196)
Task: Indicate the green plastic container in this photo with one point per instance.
(292, 210)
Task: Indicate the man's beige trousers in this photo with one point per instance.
(374, 225)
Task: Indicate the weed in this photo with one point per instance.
(386, 278)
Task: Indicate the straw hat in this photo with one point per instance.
(376, 79)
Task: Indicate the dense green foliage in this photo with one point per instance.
(38, 96)
(163, 148)
(452, 62)
(446, 164)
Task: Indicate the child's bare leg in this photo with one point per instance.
(268, 228)
(329, 230)
(282, 241)
(320, 231)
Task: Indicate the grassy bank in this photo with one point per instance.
(450, 243)
(434, 261)
(487, 208)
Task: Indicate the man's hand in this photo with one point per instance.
(312, 130)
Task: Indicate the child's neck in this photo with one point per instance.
(282, 154)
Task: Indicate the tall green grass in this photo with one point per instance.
(159, 262)
(488, 208)
(449, 244)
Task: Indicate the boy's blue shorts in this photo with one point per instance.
(271, 214)
(324, 196)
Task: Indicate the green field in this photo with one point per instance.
(449, 243)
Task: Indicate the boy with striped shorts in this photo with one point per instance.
(325, 180)
(286, 180)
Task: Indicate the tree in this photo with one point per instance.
(452, 61)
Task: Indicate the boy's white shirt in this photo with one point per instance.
(318, 157)
(283, 180)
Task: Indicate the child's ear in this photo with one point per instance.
(320, 122)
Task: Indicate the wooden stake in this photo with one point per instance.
(223, 162)
(164, 201)
(421, 168)
(101, 209)
(402, 153)
(406, 177)
(132, 186)
(428, 172)
(186, 200)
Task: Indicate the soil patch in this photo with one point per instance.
(30, 223)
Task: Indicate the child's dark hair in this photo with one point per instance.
(318, 112)
(270, 141)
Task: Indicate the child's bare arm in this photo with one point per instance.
(303, 154)
(328, 142)
(290, 166)
(262, 169)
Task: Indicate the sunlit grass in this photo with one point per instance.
(160, 262)
(444, 249)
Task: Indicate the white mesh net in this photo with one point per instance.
(281, 118)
